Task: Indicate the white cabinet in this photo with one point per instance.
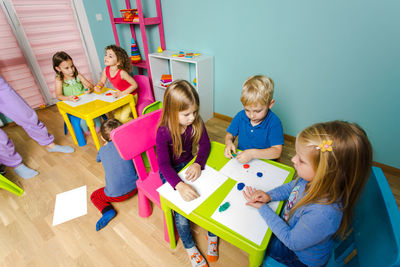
(200, 67)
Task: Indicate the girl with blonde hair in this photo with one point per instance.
(333, 161)
(180, 135)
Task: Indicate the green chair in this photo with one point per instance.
(10, 186)
(150, 108)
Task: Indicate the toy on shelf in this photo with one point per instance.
(166, 79)
(135, 54)
(186, 55)
(159, 49)
(130, 15)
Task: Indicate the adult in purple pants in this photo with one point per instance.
(14, 107)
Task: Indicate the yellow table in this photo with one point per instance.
(202, 215)
(92, 110)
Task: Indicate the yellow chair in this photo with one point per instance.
(10, 186)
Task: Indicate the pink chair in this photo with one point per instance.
(131, 140)
(145, 94)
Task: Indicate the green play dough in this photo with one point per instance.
(224, 207)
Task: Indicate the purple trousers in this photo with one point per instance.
(14, 107)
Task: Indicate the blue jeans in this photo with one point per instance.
(182, 223)
(279, 252)
(97, 123)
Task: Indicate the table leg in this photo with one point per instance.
(69, 126)
(90, 124)
(133, 108)
(256, 258)
(170, 224)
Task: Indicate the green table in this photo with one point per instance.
(202, 215)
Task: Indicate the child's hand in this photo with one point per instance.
(116, 94)
(193, 172)
(245, 156)
(98, 88)
(73, 98)
(187, 192)
(87, 91)
(229, 148)
(255, 198)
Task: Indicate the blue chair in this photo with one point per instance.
(374, 239)
(76, 124)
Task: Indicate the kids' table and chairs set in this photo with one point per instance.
(372, 240)
(96, 108)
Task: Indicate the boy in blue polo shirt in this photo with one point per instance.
(258, 128)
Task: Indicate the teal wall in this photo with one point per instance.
(329, 59)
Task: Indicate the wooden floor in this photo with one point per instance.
(27, 237)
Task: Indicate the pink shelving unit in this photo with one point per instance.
(143, 22)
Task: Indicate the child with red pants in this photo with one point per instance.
(120, 176)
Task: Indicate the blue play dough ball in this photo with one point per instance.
(259, 174)
(240, 186)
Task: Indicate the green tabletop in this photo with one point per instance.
(202, 214)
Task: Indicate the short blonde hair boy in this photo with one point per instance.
(257, 89)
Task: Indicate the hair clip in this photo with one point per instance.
(326, 145)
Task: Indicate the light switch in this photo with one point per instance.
(99, 17)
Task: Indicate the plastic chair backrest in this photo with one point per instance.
(375, 234)
(136, 137)
(152, 107)
(374, 239)
(144, 91)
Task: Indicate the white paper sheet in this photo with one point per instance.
(86, 98)
(70, 205)
(243, 219)
(209, 181)
(271, 176)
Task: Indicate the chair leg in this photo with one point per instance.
(76, 124)
(65, 129)
(144, 205)
(10, 186)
